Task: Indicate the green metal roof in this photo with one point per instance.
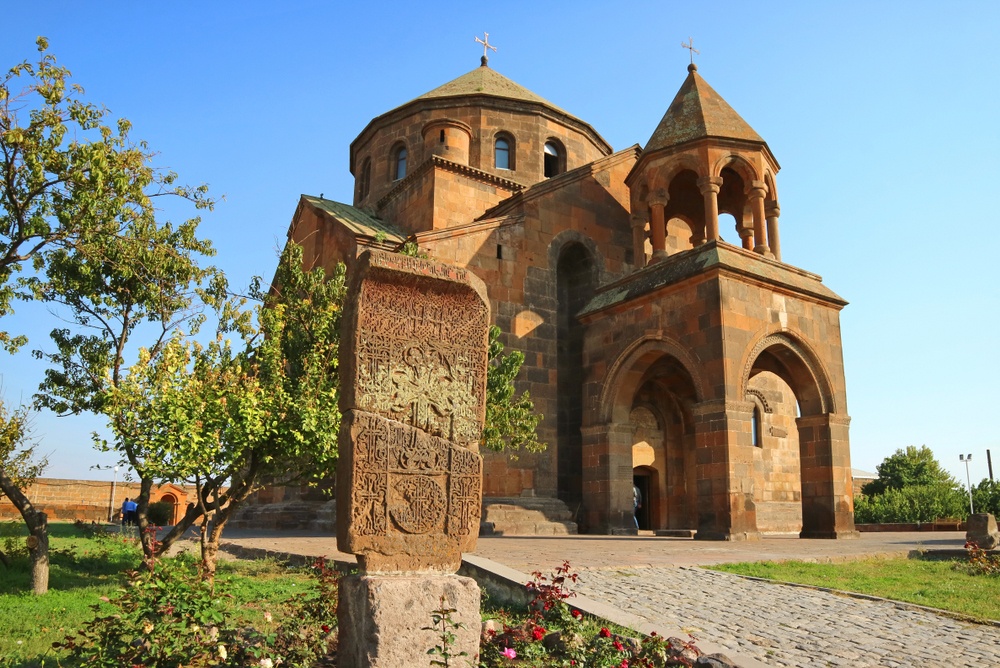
(357, 220)
(697, 112)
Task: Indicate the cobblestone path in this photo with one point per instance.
(792, 626)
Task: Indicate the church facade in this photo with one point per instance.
(668, 351)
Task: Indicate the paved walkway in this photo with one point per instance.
(653, 583)
(781, 625)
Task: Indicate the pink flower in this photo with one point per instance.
(509, 653)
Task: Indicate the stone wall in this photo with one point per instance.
(89, 500)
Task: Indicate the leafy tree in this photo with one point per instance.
(511, 421)
(18, 468)
(914, 503)
(910, 467)
(68, 176)
(77, 226)
(228, 418)
(144, 284)
(986, 497)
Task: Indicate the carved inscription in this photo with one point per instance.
(410, 482)
(421, 361)
(409, 489)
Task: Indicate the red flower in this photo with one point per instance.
(618, 646)
(326, 629)
(538, 633)
(605, 633)
(577, 614)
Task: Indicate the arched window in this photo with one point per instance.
(399, 160)
(364, 183)
(553, 159)
(503, 154)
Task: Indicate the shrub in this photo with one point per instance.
(160, 513)
(980, 562)
(168, 615)
(917, 503)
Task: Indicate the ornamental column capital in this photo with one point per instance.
(659, 198)
(709, 184)
(757, 190)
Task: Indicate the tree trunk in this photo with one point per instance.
(38, 528)
(147, 538)
(211, 538)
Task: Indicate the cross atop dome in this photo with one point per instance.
(486, 45)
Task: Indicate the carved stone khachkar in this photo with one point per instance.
(409, 484)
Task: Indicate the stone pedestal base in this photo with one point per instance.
(382, 618)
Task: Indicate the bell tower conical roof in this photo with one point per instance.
(698, 112)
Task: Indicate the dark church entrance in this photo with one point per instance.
(640, 479)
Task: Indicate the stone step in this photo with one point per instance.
(526, 516)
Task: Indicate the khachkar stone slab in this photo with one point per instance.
(415, 499)
(413, 398)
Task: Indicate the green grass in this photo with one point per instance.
(83, 569)
(933, 583)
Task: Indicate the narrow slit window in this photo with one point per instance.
(366, 178)
(400, 162)
(499, 252)
(442, 136)
(755, 428)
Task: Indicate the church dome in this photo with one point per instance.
(480, 120)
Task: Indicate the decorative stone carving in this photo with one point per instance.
(413, 388)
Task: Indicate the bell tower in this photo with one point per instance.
(716, 370)
(703, 160)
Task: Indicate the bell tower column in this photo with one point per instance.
(773, 211)
(710, 187)
(639, 221)
(756, 195)
(658, 225)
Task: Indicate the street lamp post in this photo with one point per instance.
(968, 480)
(111, 508)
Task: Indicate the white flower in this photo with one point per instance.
(267, 618)
(223, 654)
(147, 627)
(266, 663)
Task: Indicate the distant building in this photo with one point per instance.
(666, 341)
(93, 500)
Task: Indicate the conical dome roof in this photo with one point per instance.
(485, 81)
(698, 112)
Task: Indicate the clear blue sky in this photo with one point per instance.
(883, 115)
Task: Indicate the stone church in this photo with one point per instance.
(667, 343)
